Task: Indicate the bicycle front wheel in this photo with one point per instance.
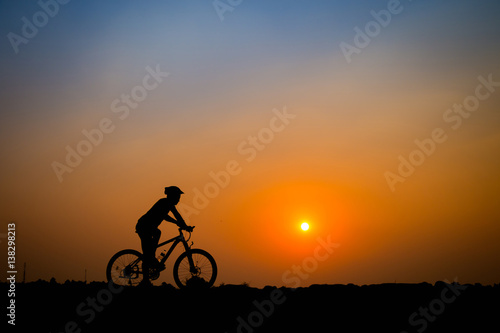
(125, 268)
(195, 268)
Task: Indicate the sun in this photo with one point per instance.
(304, 226)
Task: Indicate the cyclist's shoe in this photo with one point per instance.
(155, 264)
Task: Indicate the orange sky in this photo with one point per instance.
(324, 163)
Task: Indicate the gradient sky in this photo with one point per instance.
(326, 166)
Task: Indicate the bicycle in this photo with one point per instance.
(194, 267)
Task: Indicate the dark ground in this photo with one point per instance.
(97, 307)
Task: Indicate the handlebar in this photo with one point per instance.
(186, 238)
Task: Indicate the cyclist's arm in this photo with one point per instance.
(178, 218)
(170, 219)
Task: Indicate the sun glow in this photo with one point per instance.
(304, 226)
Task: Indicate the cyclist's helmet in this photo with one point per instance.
(173, 190)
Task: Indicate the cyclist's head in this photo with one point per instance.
(174, 193)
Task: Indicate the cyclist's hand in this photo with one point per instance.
(188, 228)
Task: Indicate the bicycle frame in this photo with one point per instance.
(176, 240)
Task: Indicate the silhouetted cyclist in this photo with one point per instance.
(147, 227)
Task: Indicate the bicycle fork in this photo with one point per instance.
(192, 267)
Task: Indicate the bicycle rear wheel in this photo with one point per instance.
(125, 268)
(202, 273)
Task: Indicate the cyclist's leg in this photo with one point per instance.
(156, 234)
(146, 241)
